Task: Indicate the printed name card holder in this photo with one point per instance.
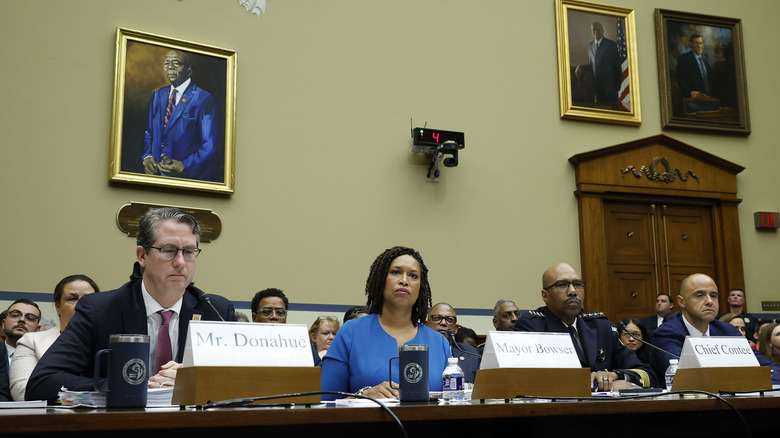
(720, 363)
(230, 360)
(527, 363)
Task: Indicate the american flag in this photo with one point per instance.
(625, 94)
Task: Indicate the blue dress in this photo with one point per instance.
(359, 355)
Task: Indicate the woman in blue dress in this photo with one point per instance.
(398, 299)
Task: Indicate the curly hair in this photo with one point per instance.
(375, 284)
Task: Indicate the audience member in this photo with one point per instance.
(322, 332)
(3, 314)
(46, 324)
(441, 318)
(5, 393)
(33, 345)
(467, 336)
(770, 342)
(159, 294)
(698, 302)
(663, 308)
(637, 329)
(736, 302)
(22, 317)
(241, 317)
(398, 298)
(757, 334)
(270, 306)
(736, 320)
(505, 315)
(612, 365)
(355, 312)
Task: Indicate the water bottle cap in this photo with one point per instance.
(452, 360)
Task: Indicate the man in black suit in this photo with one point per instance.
(441, 318)
(161, 284)
(612, 365)
(605, 64)
(663, 307)
(5, 387)
(693, 71)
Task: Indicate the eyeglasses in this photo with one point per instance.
(563, 285)
(267, 311)
(30, 317)
(627, 334)
(169, 252)
(509, 315)
(438, 318)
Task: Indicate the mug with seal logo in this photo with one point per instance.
(127, 371)
(412, 372)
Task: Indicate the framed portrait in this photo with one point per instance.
(173, 119)
(598, 75)
(701, 66)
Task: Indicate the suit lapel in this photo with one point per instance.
(589, 341)
(134, 314)
(179, 108)
(189, 310)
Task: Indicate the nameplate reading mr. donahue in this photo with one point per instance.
(216, 343)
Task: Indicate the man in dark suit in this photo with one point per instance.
(612, 365)
(442, 317)
(182, 132)
(5, 386)
(693, 71)
(160, 289)
(605, 64)
(698, 301)
(663, 307)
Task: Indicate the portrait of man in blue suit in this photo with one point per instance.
(604, 66)
(182, 136)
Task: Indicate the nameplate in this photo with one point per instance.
(717, 351)
(529, 350)
(246, 344)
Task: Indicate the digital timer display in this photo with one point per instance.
(766, 220)
(435, 137)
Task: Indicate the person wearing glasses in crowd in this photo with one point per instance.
(322, 333)
(637, 329)
(270, 306)
(612, 365)
(441, 318)
(398, 299)
(23, 317)
(159, 300)
(33, 345)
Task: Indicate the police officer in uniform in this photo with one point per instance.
(612, 365)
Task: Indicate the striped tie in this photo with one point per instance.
(169, 108)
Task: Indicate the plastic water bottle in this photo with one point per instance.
(670, 372)
(452, 382)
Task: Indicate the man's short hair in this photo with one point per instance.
(499, 303)
(739, 289)
(666, 295)
(23, 301)
(270, 292)
(353, 312)
(440, 304)
(148, 227)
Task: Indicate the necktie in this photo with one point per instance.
(706, 82)
(577, 346)
(596, 48)
(169, 108)
(164, 354)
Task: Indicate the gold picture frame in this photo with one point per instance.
(598, 83)
(723, 105)
(192, 149)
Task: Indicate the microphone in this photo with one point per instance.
(203, 297)
(451, 333)
(622, 328)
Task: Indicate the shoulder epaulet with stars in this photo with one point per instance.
(536, 313)
(593, 315)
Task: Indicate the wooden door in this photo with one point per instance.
(650, 248)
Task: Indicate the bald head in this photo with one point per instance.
(698, 300)
(563, 291)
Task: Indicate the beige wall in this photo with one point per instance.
(325, 176)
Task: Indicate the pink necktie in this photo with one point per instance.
(164, 354)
